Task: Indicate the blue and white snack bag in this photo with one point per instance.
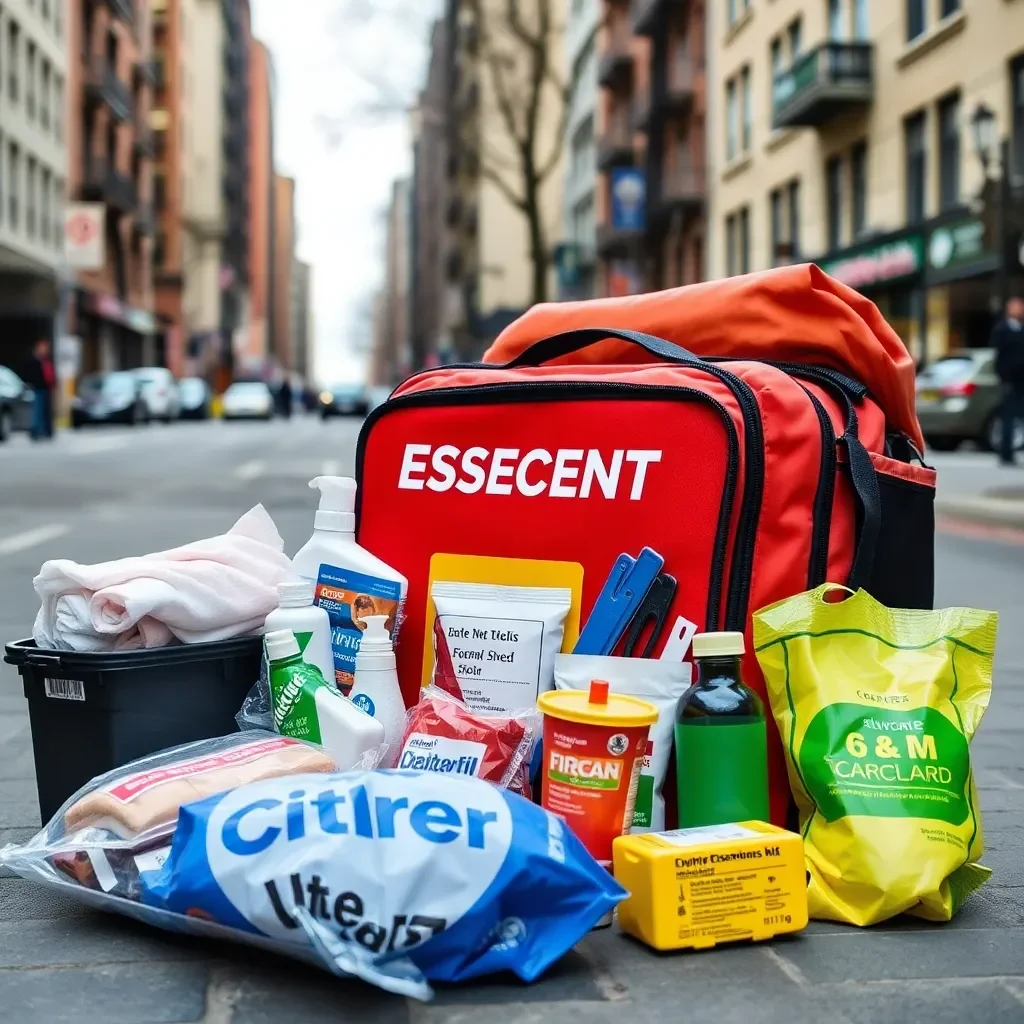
(398, 878)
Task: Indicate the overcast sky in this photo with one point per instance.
(343, 158)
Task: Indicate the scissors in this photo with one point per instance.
(654, 609)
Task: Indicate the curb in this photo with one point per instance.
(988, 511)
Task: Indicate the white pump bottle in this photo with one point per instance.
(351, 583)
(376, 690)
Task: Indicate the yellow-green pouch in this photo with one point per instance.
(876, 708)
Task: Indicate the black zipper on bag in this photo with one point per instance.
(823, 498)
(533, 391)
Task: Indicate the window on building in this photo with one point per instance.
(836, 21)
(748, 109)
(13, 46)
(581, 167)
(834, 201)
(743, 242)
(31, 171)
(859, 189)
(160, 190)
(734, 11)
(731, 119)
(45, 194)
(58, 107)
(730, 245)
(949, 151)
(795, 34)
(861, 30)
(13, 185)
(45, 8)
(45, 90)
(916, 153)
(160, 248)
(58, 18)
(1017, 91)
(31, 60)
(916, 18)
(948, 7)
(794, 219)
(58, 211)
(775, 225)
(776, 58)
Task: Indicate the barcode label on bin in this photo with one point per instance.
(65, 689)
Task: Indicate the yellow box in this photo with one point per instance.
(696, 887)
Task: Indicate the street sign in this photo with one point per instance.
(629, 194)
(83, 235)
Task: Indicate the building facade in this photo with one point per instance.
(33, 169)
(843, 133)
(110, 80)
(302, 320)
(651, 145)
(575, 257)
(253, 349)
(390, 357)
(281, 280)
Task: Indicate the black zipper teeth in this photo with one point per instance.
(440, 396)
(818, 568)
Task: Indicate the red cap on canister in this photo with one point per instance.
(598, 692)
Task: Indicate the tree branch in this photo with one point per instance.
(503, 187)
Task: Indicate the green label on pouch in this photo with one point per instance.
(888, 764)
(293, 690)
(642, 809)
(583, 782)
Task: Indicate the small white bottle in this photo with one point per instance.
(351, 583)
(376, 690)
(310, 624)
(307, 708)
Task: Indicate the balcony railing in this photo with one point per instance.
(107, 185)
(103, 86)
(144, 222)
(831, 79)
(615, 65)
(640, 109)
(680, 80)
(684, 187)
(145, 140)
(147, 71)
(613, 240)
(615, 143)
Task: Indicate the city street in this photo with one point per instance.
(98, 495)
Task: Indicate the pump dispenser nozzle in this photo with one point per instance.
(337, 503)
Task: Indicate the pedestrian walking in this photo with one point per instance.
(284, 397)
(1008, 341)
(41, 377)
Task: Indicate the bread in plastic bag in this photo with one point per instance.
(876, 708)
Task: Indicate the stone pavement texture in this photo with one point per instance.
(100, 496)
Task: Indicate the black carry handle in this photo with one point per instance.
(572, 341)
(865, 484)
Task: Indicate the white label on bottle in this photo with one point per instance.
(442, 754)
(706, 834)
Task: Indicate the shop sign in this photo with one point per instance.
(629, 195)
(953, 245)
(878, 265)
(83, 236)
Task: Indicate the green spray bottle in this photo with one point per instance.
(721, 739)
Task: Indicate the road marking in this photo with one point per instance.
(32, 538)
(250, 470)
(330, 467)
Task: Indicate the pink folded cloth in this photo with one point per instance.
(212, 589)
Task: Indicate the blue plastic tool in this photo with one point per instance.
(620, 599)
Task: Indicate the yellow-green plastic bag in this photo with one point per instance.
(876, 707)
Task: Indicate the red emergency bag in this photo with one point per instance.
(754, 481)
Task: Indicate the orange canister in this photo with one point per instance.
(594, 744)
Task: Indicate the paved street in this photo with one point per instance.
(95, 496)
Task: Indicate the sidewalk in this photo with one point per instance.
(973, 486)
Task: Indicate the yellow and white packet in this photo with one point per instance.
(876, 708)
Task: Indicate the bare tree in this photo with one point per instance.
(527, 97)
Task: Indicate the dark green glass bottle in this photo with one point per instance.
(721, 739)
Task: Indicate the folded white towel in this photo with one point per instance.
(209, 590)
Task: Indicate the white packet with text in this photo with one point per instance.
(661, 683)
(502, 640)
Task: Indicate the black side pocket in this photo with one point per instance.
(903, 571)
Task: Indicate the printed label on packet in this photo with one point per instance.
(348, 598)
(442, 754)
(643, 810)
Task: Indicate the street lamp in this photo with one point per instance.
(983, 128)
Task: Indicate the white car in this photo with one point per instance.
(160, 393)
(247, 400)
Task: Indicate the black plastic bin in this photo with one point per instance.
(93, 712)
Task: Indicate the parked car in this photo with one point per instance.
(958, 399)
(16, 401)
(159, 392)
(344, 400)
(248, 400)
(194, 398)
(109, 398)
